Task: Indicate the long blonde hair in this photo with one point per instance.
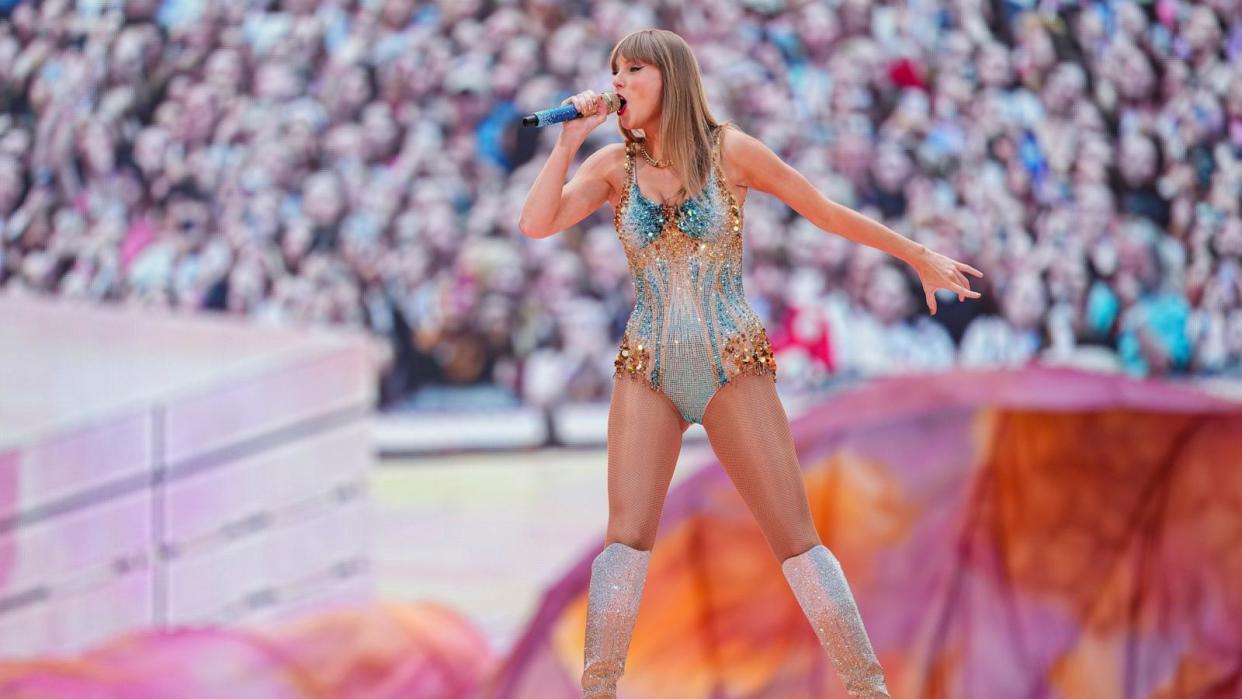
(686, 122)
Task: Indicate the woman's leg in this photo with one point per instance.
(749, 431)
(644, 440)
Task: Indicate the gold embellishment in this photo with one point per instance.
(749, 352)
(623, 202)
(735, 210)
(633, 359)
(655, 163)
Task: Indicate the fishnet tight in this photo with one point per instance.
(748, 430)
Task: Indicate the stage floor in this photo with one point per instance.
(485, 533)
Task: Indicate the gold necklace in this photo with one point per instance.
(653, 161)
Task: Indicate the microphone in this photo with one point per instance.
(565, 112)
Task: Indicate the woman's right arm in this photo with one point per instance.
(552, 206)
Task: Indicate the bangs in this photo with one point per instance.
(638, 46)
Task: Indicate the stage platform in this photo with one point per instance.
(161, 469)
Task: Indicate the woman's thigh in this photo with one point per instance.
(749, 432)
(644, 441)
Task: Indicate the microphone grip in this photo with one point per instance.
(566, 112)
(555, 115)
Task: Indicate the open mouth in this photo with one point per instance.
(621, 109)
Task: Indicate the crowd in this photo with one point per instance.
(360, 162)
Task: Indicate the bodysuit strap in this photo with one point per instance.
(717, 155)
(718, 164)
(629, 166)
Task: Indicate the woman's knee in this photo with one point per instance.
(633, 535)
(790, 546)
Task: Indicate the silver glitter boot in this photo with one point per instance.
(819, 584)
(617, 577)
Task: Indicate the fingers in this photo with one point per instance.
(962, 288)
(968, 268)
(961, 279)
(587, 102)
(963, 292)
(965, 287)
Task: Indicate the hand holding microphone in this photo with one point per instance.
(581, 112)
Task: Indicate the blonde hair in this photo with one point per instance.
(687, 126)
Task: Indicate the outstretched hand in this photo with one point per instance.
(938, 271)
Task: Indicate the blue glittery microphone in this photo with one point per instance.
(565, 112)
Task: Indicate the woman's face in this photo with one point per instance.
(642, 86)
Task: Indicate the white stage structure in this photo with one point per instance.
(163, 470)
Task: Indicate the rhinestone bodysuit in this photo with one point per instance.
(691, 329)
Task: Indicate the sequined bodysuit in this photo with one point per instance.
(691, 329)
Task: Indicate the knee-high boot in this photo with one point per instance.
(617, 577)
(819, 584)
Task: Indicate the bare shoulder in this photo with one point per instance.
(607, 164)
(737, 149)
(609, 153)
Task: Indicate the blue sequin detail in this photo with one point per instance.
(705, 302)
(642, 308)
(693, 216)
(648, 218)
(655, 367)
(726, 322)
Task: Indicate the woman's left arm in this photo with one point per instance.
(763, 170)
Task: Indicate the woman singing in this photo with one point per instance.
(693, 349)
